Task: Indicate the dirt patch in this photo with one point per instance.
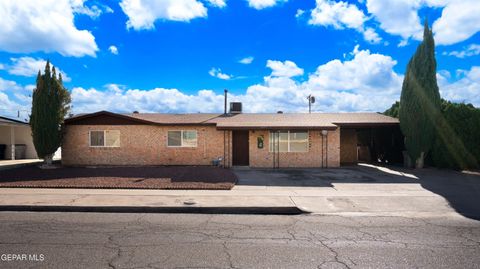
(154, 177)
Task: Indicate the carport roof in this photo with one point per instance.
(10, 122)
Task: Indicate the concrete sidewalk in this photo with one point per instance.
(10, 164)
(345, 199)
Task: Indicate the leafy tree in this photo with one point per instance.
(456, 145)
(50, 104)
(420, 100)
(456, 141)
(393, 110)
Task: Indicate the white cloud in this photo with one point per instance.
(246, 60)
(261, 4)
(217, 72)
(93, 11)
(154, 100)
(47, 25)
(341, 15)
(337, 14)
(142, 14)
(398, 17)
(113, 49)
(284, 69)
(458, 22)
(465, 89)
(14, 99)
(217, 3)
(367, 73)
(471, 50)
(299, 13)
(371, 36)
(29, 67)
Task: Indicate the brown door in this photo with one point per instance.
(240, 148)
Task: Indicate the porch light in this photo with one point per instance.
(324, 132)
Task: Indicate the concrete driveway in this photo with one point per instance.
(364, 190)
(368, 188)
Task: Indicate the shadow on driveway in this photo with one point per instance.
(462, 191)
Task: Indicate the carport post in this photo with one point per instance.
(12, 142)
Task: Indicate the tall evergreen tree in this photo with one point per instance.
(50, 104)
(420, 100)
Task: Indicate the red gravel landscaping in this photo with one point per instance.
(154, 177)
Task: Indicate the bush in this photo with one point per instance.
(457, 142)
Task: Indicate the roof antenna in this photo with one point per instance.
(311, 100)
(225, 105)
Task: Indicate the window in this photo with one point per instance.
(299, 142)
(106, 138)
(289, 141)
(182, 138)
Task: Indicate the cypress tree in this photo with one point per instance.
(50, 104)
(420, 100)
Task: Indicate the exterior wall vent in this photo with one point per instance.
(235, 107)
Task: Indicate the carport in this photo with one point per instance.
(16, 140)
(371, 143)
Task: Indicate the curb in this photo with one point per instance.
(147, 209)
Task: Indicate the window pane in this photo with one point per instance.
(298, 141)
(112, 138)
(278, 140)
(174, 138)
(96, 139)
(189, 139)
(283, 141)
(273, 136)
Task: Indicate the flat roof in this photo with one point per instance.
(9, 121)
(253, 120)
(170, 118)
(274, 121)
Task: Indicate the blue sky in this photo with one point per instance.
(179, 55)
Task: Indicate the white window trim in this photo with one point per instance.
(181, 139)
(104, 139)
(288, 143)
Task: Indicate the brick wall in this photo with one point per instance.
(141, 145)
(312, 158)
(147, 145)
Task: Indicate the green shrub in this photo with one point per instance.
(457, 144)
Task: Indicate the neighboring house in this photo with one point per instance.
(240, 139)
(16, 140)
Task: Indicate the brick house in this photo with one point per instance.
(239, 139)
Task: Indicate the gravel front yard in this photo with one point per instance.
(152, 177)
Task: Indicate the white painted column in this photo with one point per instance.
(12, 142)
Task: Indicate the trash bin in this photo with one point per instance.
(20, 151)
(3, 148)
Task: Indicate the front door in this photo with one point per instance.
(240, 148)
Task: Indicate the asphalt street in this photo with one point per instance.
(102, 240)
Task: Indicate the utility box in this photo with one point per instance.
(235, 107)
